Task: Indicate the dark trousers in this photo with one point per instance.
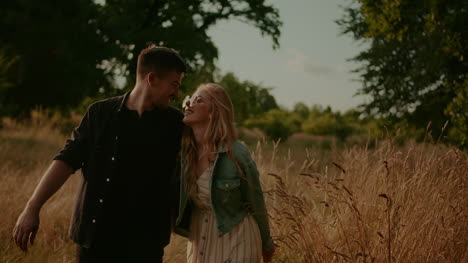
(124, 254)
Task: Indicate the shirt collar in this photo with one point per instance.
(122, 103)
(127, 95)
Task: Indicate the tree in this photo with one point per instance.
(458, 112)
(249, 99)
(274, 123)
(327, 123)
(68, 50)
(415, 64)
(6, 63)
(302, 110)
(57, 50)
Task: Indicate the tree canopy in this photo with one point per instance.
(64, 51)
(414, 65)
(249, 99)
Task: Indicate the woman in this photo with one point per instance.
(222, 209)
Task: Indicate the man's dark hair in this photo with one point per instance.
(160, 60)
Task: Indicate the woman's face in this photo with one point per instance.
(198, 109)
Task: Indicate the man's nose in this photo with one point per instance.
(187, 104)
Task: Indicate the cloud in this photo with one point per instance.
(300, 63)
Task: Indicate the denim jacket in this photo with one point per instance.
(233, 196)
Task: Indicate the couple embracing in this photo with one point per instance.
(148, 168)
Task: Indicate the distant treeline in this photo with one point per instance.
(61, 55)
(256, 108)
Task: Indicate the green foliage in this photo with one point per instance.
(57, 48)
(274, 123)
(294, 122)
(373, 128)
(301, 110)
(327, 123)
(6, 82)
(415, 64)
(458, 112)
(249, 99)
(69, 50)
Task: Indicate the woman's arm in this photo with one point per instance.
(255, 200)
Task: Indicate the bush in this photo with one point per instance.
(327, 124)
(274, 123)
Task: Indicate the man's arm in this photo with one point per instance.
(69, 159)
(28, 222)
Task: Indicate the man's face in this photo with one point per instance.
(166, 88)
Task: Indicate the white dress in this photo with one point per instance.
(242, 244)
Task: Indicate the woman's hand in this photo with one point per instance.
(268, 254)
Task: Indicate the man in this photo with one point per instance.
(127, 148)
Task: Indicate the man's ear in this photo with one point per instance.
(151, 79)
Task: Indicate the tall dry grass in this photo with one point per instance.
(406, 204)
(25, 152)
(386, 204)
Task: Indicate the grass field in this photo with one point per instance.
(327, 204)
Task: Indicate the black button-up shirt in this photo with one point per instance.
(128, 166)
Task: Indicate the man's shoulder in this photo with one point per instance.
(107, 103)
(112, 101)
(175, 116)
(176, 112)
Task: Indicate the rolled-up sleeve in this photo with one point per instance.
(77, 146)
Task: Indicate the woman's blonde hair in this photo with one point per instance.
(221, 131)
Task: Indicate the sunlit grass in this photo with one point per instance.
(405, 204)
(385, 204)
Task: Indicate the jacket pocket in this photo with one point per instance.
(227, 184)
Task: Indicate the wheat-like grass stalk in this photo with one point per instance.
(387, 203)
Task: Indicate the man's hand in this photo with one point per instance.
(28, 222)
(268, 255)
(26, 228)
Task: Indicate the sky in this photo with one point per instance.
(311, 65)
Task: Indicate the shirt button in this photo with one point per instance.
(107, 179)
(101, 201)
(113, 158)
(94, 221)
(116, 138)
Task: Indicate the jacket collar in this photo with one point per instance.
(222, 149)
